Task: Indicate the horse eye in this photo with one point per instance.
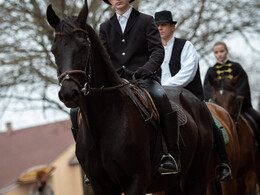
(52, 49)
(58, 73)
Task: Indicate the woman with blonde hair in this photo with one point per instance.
(225, 68)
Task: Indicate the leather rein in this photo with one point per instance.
(86, 89)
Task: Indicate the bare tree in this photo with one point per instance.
(28, 71)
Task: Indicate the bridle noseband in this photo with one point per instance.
(68, 75)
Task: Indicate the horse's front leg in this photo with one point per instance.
(137, 185)
(98, 190)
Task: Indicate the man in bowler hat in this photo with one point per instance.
(180, 68)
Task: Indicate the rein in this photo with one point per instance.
(86, 89)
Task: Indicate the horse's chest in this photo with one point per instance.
(96, 157)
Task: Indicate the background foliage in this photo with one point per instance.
(27, 69)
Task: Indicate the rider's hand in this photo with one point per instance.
(142, 73)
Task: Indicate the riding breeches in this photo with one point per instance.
(158, 95)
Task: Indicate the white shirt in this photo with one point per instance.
(189, 65)
(122, 19)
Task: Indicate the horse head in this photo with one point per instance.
(71, 49)
(224, 94)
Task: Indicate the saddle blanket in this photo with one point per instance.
(224, 131)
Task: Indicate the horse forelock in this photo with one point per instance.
(67, 25)
(225, 84)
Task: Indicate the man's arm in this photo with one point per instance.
(189, 66)
(155, 47)
(103, 36)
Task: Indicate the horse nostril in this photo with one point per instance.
(60, 96)
(75, 96)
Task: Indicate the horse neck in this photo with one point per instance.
(103, 72)
(102, 109)
(102, 104)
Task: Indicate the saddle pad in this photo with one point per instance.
(223, 130)
(182, 118)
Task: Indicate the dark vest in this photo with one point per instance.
(195, 86)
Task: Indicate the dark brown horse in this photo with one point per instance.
(233, 150)
(115, 145)
(224, 94)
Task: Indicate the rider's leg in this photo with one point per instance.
(256, 116)
(223, 169)
(170, 128)
(74, 129)
(74, 121)
(169, 123)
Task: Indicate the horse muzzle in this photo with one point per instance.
(69, 94)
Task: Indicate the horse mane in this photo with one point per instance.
(225, 84)
(100, 53)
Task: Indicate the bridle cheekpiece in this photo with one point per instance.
(68, 75)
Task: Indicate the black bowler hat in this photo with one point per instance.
(164, 16)
(106, 1)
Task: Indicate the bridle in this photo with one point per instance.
(68, 75)
(234, 116)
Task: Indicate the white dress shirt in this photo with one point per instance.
(189, 65)
(122, 19)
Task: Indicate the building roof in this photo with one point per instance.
(29, 147)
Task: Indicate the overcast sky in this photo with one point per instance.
(23, 119)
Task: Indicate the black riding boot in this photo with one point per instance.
(74, 129)
(170, 163)
(223, 169)
(74, 121)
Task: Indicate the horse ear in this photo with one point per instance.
(212, 81)
(82, 17)
(52, 18)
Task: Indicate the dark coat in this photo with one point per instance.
(233, 69)
(139, 46)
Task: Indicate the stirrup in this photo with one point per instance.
(86, 180)
(161, 170)
(224, 165)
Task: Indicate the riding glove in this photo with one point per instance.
(142, 72)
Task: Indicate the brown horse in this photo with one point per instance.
(115, 145)
(224, 94)
(232, 148)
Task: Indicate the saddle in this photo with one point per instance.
(147, 108)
